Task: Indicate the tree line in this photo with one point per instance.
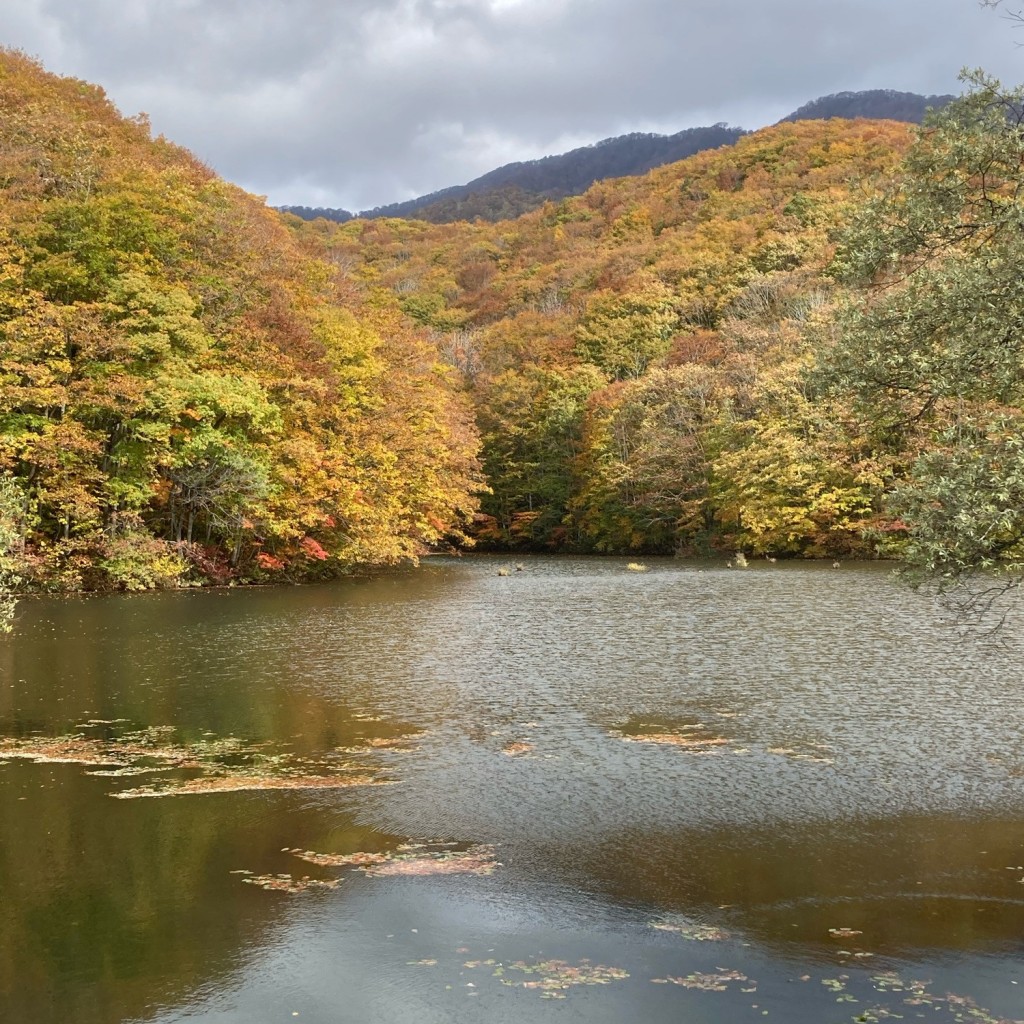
(807, 343)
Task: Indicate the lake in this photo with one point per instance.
(575, 792)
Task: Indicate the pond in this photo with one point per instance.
(573, 792)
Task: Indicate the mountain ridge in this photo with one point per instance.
(518, 187)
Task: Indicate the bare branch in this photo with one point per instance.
(1009, 15)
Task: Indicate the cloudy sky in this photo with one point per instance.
(357, 103)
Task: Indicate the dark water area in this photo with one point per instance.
(713, 795)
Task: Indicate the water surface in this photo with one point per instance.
(844, 842)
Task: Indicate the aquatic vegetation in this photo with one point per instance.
(412, 859)
(554, 977)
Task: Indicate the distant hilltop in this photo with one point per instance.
(877, 104)
(514, 189)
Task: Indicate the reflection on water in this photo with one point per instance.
(711, 793)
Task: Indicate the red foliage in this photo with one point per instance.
(311, 549)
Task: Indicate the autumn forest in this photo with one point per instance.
(805, 343)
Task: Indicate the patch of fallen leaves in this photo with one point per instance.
(718, 982)
(916, 993)
(57, 750)
(815, 753)
(554, 977)
(671, 739)
(402, 744)
(695, 738)
(692, 930)
(517, 748)
(412, 859)
(288, 884)
(220, 765)
(240, 783)
(153, 744)
(698, 737)
(334, 860)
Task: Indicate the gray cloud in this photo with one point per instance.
(360, 102)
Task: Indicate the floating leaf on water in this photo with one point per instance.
(517, 748)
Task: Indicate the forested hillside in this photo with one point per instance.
(185, 396)
(195, 389)
(638, 356)
(517, 188)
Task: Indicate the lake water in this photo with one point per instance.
(712, 796)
